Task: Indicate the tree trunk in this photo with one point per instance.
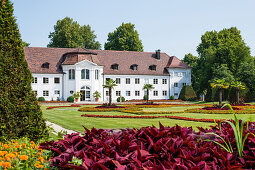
(110, 96)
(147, 96)
(220, 96)
(237, 96)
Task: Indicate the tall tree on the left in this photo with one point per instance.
(20, 114)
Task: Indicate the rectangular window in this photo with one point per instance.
(137, 81)
(137, 93)
(117, 93)
(45, 80)
(87, 74)
(96, 74)
(164, 81)
(183, 84)
(57, 92)
(175, 84)
(35, 92)
(71, 74)
(127, 93)
(184, 74)
(34, 80)
(164, 93)
(175, 74)
(155, 81)
(107, 93)
(56, 80)
(176, 94)
(45, 93)
(155, 93)
(117, 80)
(127, 80)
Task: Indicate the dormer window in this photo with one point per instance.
(134, 67)
(115, 66)
(152, 67)
(45, 65)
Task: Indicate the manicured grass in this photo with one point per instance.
(70, 118)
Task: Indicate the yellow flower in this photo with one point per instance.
(2, 153)
(1, 163)
(38, 166)
(41, 159)
(18, 146)
(7, 164)
(23, 157)
(5, 146)
(24, 145)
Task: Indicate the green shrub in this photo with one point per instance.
(187, 93)
(145, 97)
(70, 99)
(232, 95)
(20, 113)
(41, 99)
(121, 98)
(171, 97)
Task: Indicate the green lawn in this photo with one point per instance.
(70, 118)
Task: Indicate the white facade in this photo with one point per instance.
(87, 77)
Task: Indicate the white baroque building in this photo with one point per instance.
(59, 72)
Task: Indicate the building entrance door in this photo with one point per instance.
(85, 90)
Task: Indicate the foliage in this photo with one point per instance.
(110, 84)
(41, 99)
(148, 87)
(220, 84)
(23, 154)
(121, 98)
(145, 97)
(124, 38)
(237, 88)
(20, 114)
(70, 99)
(77, 95)
(222, 72)
(148, 148)
(172, 97)
(246, 74)
(25, 44)
(69, 34)
(190, 59)
(96, 95)
(187, 93)
(240, 136)
(217, 48)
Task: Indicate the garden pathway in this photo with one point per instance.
(58, 128)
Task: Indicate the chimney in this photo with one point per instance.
(158, 54)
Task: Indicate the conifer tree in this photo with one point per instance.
(20, 114)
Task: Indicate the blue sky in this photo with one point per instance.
(174, 26)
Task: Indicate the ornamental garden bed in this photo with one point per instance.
(219, 108)
(152, 148)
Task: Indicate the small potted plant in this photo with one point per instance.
(96, 95)
(77, 95)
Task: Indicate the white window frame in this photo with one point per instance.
(155, 81)
(164, 93)
(71, 74)
(176, 84)
(34, 81)
(164, 81)
(137, 93)
(127, 80)
(155, 93)
(45, 80)
(137, 80)
(128, 93)
(45, 93)
(55, 80)
(96, 74)
(118, 80)
(118, 93)
(57, 92)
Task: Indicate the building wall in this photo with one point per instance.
(39, 87)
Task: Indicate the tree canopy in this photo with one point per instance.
(124, 38)
(25, 44)
(20, 114)
(190, 59)
(69, 34)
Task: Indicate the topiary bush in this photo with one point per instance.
(41, 99)
(187, 93)
(145, 97)
(70, 99)
(122, 99)
(171, 97)
(20, 114)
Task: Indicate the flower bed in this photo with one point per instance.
(163, 100)
(153, 117)
(106, 107)
(23, 154)
(73, 105)
(245, 110)
(219, 108)
(151, 148)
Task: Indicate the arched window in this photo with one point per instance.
(152, 67)
(134, 67)
(71, 74)
(85, 74)
(115, 66)
(46, 65)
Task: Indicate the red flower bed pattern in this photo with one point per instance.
(219, 108)
(105, 107)
(151, 148)
(153, 117)
(73, 105)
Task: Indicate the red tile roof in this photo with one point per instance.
(36, 56)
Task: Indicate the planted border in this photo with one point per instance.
(246, 110)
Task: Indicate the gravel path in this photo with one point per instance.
(58, 128)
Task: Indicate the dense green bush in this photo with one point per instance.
(171, 97)
(20, 114)
(41, 99)
(232, 95)
(70, 99)
(122, 99)
(187, 93)
(145, 97)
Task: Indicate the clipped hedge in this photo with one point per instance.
(70, 99)
(187, 93)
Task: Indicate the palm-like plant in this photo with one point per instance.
(148, 87)
(220, 84)
(238, 86)
(110, 85)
